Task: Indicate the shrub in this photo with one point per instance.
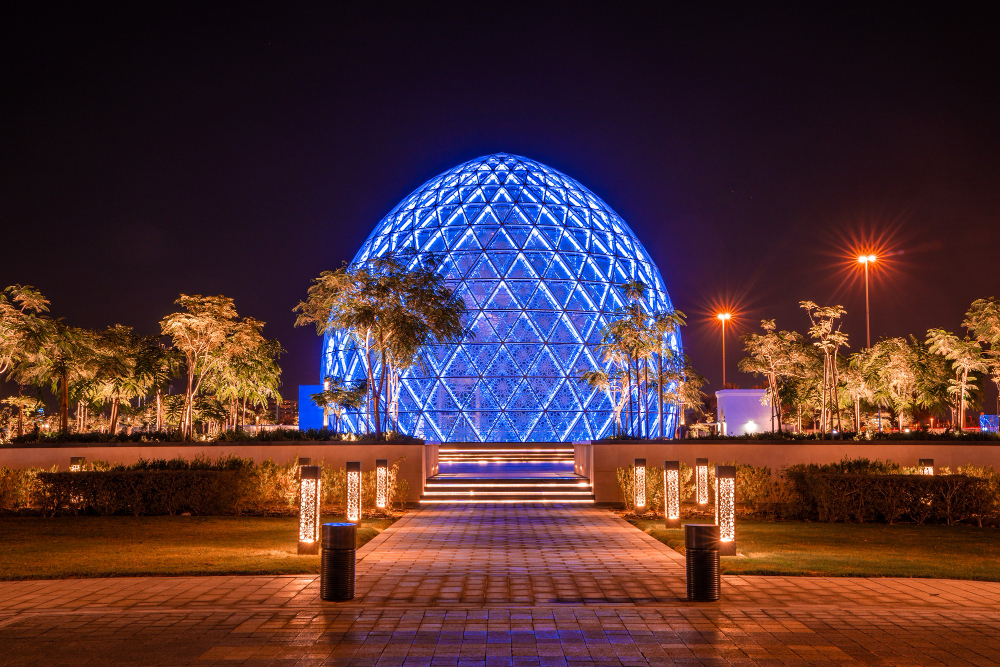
(143, 492)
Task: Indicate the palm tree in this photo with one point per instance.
(828, 339)
(392, 307)
(983, 321)
(966, 357)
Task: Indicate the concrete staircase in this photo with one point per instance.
(506, 473)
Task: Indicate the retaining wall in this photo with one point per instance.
(600, 460)
(335, 454)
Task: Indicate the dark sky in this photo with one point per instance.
(150, 149)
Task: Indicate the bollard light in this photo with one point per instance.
(305, 461)
(310, 480)
(672, 493)
(354, 491)
(701, 480)
(725, 508)
(76, 463)
(639, 484)
(926, 466)
(381, 483)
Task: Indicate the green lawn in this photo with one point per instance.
(846, 550)
(92, 546)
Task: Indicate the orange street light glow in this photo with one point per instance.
(724, 316)
(866, 259)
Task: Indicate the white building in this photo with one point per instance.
(742, 411)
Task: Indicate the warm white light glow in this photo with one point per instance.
(750, 427)
(639, 484)
(309, 510)
(503, 502)
(725, 507)
(76, 463)
(381, 484)
(701, 481)
(724, 316)
(354, 492)
(672, 490)
(926, 466)
(866, 259)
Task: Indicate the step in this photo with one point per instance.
(446, 489)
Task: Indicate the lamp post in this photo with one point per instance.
(865, 260)
(639, 484)
(310, 480)
(701, 480)
(354, 491)
(725, 508)
(381, 483)
(672, 493)
(724, 317)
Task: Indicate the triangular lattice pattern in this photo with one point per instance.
(538, 259)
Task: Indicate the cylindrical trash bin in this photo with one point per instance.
(336, 569)
(701, 549)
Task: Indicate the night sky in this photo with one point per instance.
(149, 149)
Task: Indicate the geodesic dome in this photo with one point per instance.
(539, 260)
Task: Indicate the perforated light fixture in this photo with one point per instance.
(926, 466)
(77, 463)
(305, 461)
(540, 262)
(672, 493)
(310, 494)
(725, 508)
(354, 491)
(701, 480)
(639, 484)
(381, 483)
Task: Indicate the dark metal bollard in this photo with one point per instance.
(701, 548)
(336, 569)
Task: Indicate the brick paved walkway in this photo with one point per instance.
(502, 585)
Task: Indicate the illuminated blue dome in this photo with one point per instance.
(539, 260)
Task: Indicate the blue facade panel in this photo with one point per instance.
(310, 414)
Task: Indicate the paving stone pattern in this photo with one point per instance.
(502, 585)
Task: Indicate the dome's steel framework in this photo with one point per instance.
(539, 261)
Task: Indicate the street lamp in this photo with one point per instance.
(724, 317)
(865, 260)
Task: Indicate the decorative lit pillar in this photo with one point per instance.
(639, 484)
(701, 480)
(926, 466)
(76, 463)
(381, 483)
(305, 461)
(672, 493)
(725, 508)
(354, 491)
(310, 480)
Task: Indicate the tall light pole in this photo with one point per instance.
(723, 317)
(865, 260)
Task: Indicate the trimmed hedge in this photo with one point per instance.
(864, 498)
(144, 492)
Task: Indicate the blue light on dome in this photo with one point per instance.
(539, 260)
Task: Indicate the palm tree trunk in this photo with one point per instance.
(659, 389)
(64, 400)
